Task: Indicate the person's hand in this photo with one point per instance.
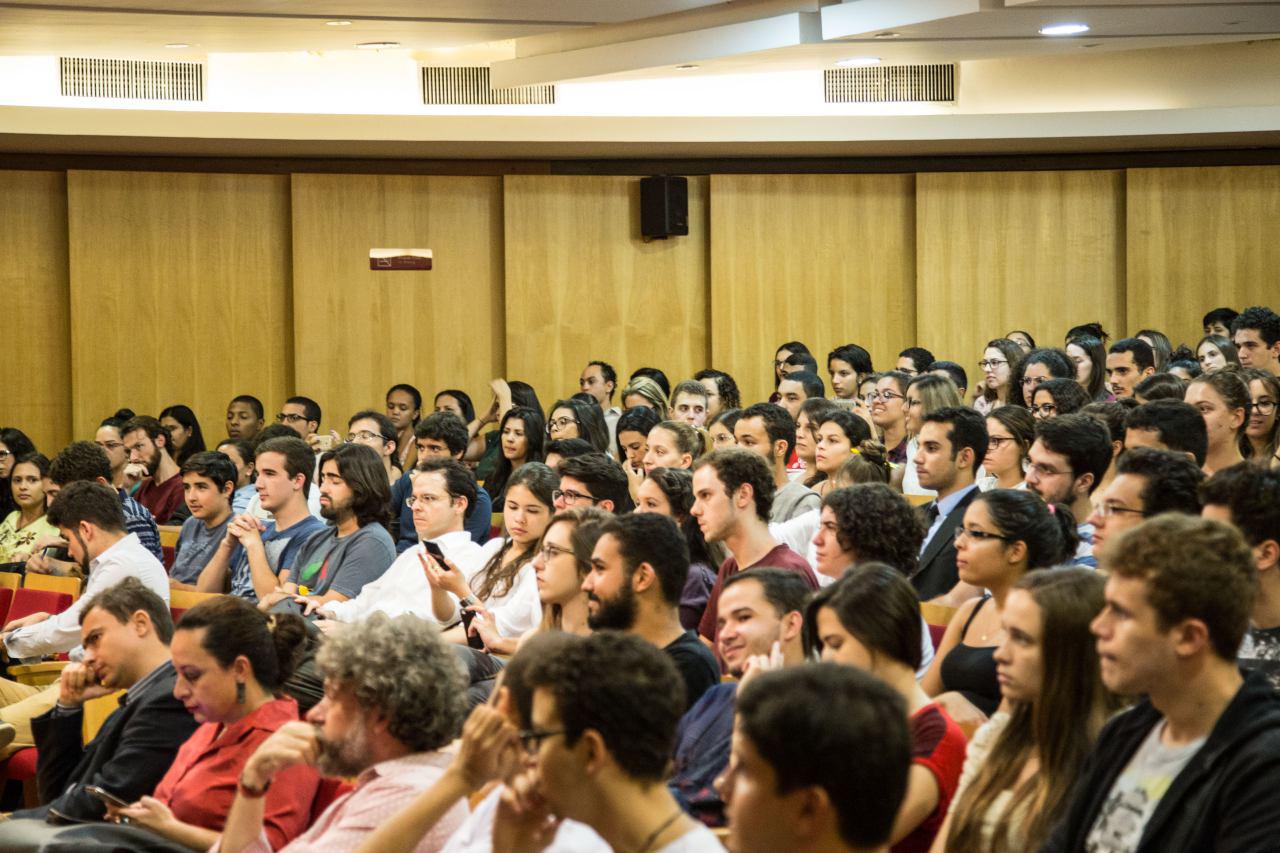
(77, 684)
(635, 476)
(148, 812)
(40, 564)
(329, 627)
(966, 715)
(501, 394)
(48, 541)
(443, 575)
(134, 472)
(757, 664)
(293, 743)
(274, 597)
(482, 626)
(523, 821)
(310, 604)
(247, 530)
(490, 747)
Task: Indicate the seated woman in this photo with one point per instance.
(669, 492)
(840, 433)
(674, 444)
(22, 530)
(1054, 397)
(926, 394)
(240, 452)
(1005, 534)
(888, 413)
(721, 428)
(632, 439)
(521, 433)
(562, 563)
(1022, 764)
(184, 432)
(502, 595)
(870, 619)
(1011, 430)
(869, 465)
(231, 661)
(1040, 365)
(572, 418)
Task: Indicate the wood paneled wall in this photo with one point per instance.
(823, 259)
(146, 289)
(359, 332)
(582, 284)
(179, 293)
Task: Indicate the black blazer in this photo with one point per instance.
(132, 752)
(936, 574)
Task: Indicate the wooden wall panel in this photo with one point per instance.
(33, 281)
(583, 285)
(824, 259)
(1200, 239)
(179, 293)
(998, 251)
(358, 331)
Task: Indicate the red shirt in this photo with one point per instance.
(781, 557)
(162, 500)
(937, 744)
(201, 784)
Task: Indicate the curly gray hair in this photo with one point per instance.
(403, 668)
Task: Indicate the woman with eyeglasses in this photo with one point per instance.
(1010, 432)
(1055, 397)
(669, 492)
(889, 415)
(926, 394)
(1000, 359)
(1005, 534)
(1263, 431)
(520, 433)
(1040, 365)
(575, 419)
(13, 444)
(561, 564)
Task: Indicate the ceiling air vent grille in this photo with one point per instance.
(880, 84)
(470, 85)
(131, 78)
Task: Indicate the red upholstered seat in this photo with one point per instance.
(28, 601)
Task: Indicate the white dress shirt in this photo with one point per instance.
(519, 608)
(61, 632)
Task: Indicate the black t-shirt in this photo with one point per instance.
(696, 663)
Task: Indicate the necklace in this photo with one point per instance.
(648, 842)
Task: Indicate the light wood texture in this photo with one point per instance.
(169, 534)
(1200, 239)
(10, 580)
(823, 259)
(359, 331)
(1040, 251)
(179, 293)
(185, 599)
(582, 284)
(33, 281)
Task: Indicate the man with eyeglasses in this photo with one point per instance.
(302, 415)
(440, 435)
(1069, 458)
(1147, 482)
(592, 479)
(375, 430)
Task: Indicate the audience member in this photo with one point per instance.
(302, 415)
(869, 522)
(186, 439)
(669, 492)
(1223, 400)
(1023, 339)
(1055, 397)
(24, 529)
(1214, 353)
(600, 380)
(1148, 482)
(455, 401)
(240, 453)
(846, 365)
(953, 371)
(1070, 455)
(889, 415)
(208, 482)
(1001, 358)
(952, 441)
(108, 437)
(914, 360)
(1010, 433)
(1168, 425)
(1129, 361)
(1263, 428)
(1160, 345)
(795, 388)
(565, 448)
(869, 465)
(1192, 766)
(780, 357)
(1256, 334)
(673, 444)
(1039, 365)
(800, 362)
(561, 566)
(766, 430)
(839, 435)
(1218, 321)
(592, 479)
(160, 490)
(486, 449)
(721, 428)
(522, 434)
(1090, 356)
(575, 419)
(632, 440)
(245, 417)
(440, 435)
(925, 395)
(1111, 414)
(404, 409)
(1160, 386)
(802, 461)
(376, 431)
(643, 392)
(722, 391)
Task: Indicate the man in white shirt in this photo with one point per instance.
(442, 491)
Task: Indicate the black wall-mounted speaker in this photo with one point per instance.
(664, 206)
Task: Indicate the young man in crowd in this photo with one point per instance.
(375, 430)
(1147, 483)
(1129, 361)
(110, 439)
(821, 755)
(1168, 425)
(440, 435)
(952, 371)
(1256, 334)
(1068, 459)
(254, 557)
(914, 360)
(600, 380)
(797, 387)
(394, 697)
(592, 479)
(1218, 322)
(147, 441)
(1249, 498)
(302, 415)
(638, 571)
(1195, 764)
(768, 431)
(732, 496)
(689, 403)
(952, 444)
(208, 482)
(760, 621)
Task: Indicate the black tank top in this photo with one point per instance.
(971, 670)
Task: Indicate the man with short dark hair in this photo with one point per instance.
(1068, 459)
(768, 431)
(440, 435)
(689, 403)
(1196, 763)
(565, 448)
(799, 362)
(821, 755)
(1218, 322)
(592, 479)
(1248, 497)
(1129, 361)
(302, 415)
(1168, 425)
(951, 445)
(1147, 483)
(760, 619)
(208, 482)
(147, 441)
(732, 496)
(600, 380)
(952, 371)
(796, 387)
(914, 360)
(1256, 334)
(638, 572)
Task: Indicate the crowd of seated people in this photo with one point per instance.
(1035, 611)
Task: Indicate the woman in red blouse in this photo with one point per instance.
(232, 660)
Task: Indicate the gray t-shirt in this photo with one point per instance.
(196, 544)
(792, 500)
(1137, 792)
(327, 562)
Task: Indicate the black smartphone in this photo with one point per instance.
(473, 640)
(105, 796)
(434, 550)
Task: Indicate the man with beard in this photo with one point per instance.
(1070, 455)
(394, 697)
(638, 570)
(88, 515)
(147, 441)
(768, 431)
(335, 563)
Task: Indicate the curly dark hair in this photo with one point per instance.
(877, 524)
(1252, 494)
(736, 468)
(1068, 395)
(1171, 480)
(730, 396)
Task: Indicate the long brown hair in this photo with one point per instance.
(1059, 727)
(495, 579)
(586, 523)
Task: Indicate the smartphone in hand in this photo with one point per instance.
(434, 550)
(105, 796)
(473, 640)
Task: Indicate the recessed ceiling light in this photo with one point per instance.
(687, 67)
(177, 45)
(1068, 29)
(887, 35)
(337, 23)
(378, 45)
(855, 61)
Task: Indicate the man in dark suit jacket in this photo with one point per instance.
(126, 631)
(953, 443)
